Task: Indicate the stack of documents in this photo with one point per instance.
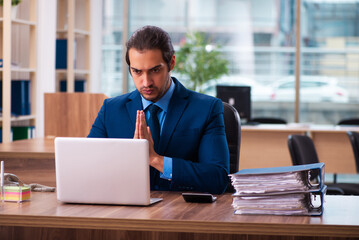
(280, 190)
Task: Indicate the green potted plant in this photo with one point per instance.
(14, 4)
(200, 61)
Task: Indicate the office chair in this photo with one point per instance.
(302, 151)
(354, 140)
(232, 125)
(269, 120)
(349, 121)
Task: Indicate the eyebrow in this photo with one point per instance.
(159, 65)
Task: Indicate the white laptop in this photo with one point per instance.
(103, 171)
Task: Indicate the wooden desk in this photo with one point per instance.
(261, 146)
(334, 148)
(45, 218)
(32, 160)
(36, 148)
(266, 145)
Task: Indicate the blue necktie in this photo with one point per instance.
(154, 124)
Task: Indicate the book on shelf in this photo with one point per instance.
(20, 97)
(80, 85)
(280, 190)
(22, 132)
(1, 135)
(61, 54)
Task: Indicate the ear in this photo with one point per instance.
(173, 62)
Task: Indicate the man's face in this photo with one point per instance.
(150, 73)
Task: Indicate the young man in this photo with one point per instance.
(188, 147)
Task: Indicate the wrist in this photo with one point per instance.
(157, 162)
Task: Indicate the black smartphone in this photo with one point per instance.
(199, 197)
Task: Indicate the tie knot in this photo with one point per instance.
(153, 109)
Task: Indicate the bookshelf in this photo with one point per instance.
(18, 53)
(73, 26)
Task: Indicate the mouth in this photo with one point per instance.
(147, 91)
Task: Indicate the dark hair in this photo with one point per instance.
(149, 38)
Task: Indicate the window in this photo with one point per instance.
(258, 38)
(330, 51)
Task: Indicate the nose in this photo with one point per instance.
(147, 82)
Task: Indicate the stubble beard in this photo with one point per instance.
(160, 92)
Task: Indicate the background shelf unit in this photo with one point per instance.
(73, 25)
(18, 46)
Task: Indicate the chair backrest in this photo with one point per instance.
(71, 114)
(302, 150)
(232, 125)
(269, 120)
(349, 121)
(354, 140)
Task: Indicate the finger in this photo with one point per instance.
(136, 135)
(150, 141)
(143, 126)
(137, 124)
(149, 134)
(144, 120)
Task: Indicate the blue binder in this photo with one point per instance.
(20, 97)
(263, 183)
(316, 168)
(79, 86)
(61, 54)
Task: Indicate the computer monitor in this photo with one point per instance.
(237, 96)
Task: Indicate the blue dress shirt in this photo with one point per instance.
(162, 103)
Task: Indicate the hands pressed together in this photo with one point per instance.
(142, 131)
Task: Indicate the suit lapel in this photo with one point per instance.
(133, 105)
(176, 109)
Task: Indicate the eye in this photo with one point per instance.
(136, 71)
(156, 70)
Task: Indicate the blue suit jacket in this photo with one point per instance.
(193, 135)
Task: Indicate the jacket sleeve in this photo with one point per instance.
(210, 172)
(98, 129)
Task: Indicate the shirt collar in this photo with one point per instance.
(164, 101)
